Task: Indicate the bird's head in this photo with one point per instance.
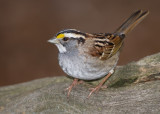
(68, 39)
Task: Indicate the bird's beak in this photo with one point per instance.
(54, 41)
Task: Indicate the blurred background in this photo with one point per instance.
(26, 25)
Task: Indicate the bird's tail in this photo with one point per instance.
(131, 22)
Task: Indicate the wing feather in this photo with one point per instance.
(106, 45)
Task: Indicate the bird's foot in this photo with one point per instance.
(74, 83)
(96, 89)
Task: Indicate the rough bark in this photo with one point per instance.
(133, 88)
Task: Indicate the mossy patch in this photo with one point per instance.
(124, 82)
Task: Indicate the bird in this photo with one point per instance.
(87, 56)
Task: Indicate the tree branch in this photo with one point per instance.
(133, 88)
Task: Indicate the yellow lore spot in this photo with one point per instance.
(60, 36)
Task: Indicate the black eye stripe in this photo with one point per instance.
(81, 40)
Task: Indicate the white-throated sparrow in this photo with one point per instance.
(87, 56)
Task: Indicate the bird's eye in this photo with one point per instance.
(65, 38)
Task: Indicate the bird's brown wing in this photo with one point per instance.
(106, 45)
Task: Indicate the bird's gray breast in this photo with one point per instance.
(86, 67)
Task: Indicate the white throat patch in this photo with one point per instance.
(61, 48)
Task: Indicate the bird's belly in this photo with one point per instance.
(87, 69)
